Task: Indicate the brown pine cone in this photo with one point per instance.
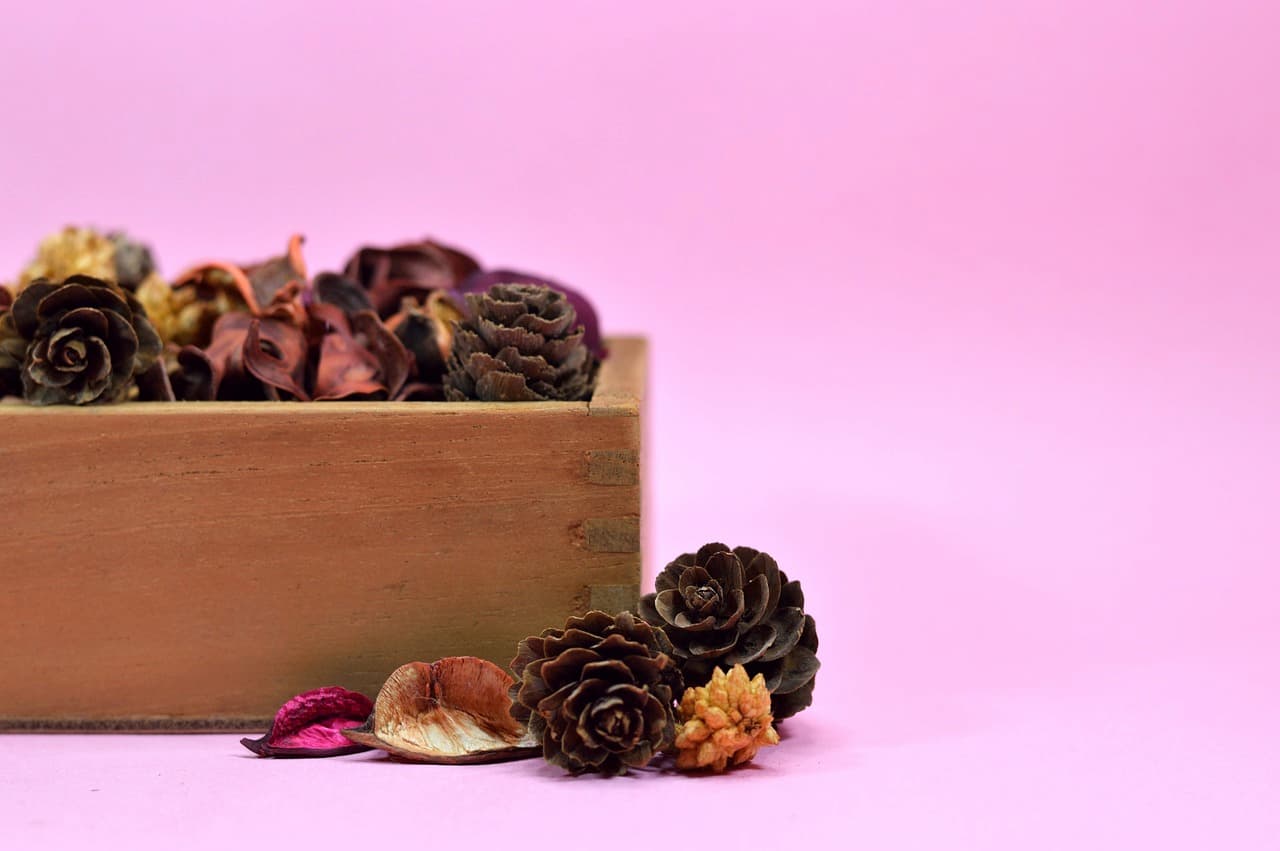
(521, 343)
(13, 351)
(78, 342)
(735, 607)
(598, 694)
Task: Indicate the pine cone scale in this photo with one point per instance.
(86, 319)
(753, 645)
(566, 667)
(121, 341)
(702, 646)
(788, 625)
(24, 310)
(798, 667)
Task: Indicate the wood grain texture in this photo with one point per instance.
(192, 566)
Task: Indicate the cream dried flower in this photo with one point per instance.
(724, 722)
(86, 251)
(71, 251)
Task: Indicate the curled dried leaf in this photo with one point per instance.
(256, 285)
(311, 725)
(413, 269)
(453, 711)
(425, 328)
(358, 357)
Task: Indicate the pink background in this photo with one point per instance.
(967, 312)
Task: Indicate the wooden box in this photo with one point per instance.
(191, 566)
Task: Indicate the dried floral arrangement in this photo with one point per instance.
(695, 677)
(90, 320)
(721, 651)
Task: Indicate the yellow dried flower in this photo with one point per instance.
(185, 315)
(72, 251)
(724, 722)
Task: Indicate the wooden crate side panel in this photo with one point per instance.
(190, 565)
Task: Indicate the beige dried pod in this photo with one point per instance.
(453, 711)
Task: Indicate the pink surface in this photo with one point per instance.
(965, 312)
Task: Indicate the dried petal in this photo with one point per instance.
(341, 292)
(311, 725)
(414, 269)
(271, 276)
(453, 711)
(257, 284)
(426, 330)
(276, 354)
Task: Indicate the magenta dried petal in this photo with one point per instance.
(311, 724)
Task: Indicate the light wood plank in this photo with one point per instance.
(193, 565)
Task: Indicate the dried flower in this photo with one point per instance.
(85, 251)
(521, 343)
(724, 722)
(357, 358)
(598, 693)
(290, 350)
(425, 327)
(735, 607)
(268, 277)
(414, 269)
(311, 724)
(81, 341)
(453, 711)
(185, 315)
(248, 358)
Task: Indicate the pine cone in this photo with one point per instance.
(727, 720)
(13, 350)
(522, 343)
(85, 251)
(735, 607)
(80, 341)
(597, 694)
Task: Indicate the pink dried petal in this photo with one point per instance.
(311, 724)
